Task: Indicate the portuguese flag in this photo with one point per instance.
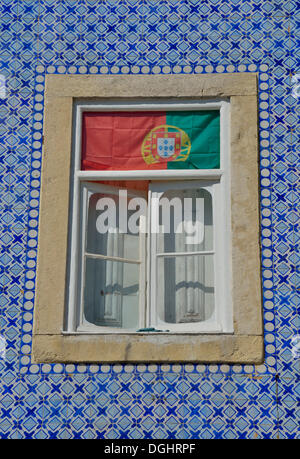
(151, 140)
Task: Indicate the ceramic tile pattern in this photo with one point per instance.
(153, 36)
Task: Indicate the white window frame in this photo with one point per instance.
(221, 209)
(214, 324)
(87, 189)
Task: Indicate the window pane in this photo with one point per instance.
(185, 288)
(187, 219)
(104, 242)
(111, 294)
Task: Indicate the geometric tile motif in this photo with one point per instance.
(25, 364)
(121, 37)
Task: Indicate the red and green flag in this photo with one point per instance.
(151, 140)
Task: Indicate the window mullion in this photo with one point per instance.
(143, 271)
(83, 237)
(183, 254)
(151, 269)
(112, 258)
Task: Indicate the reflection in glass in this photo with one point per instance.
(115, 242)
(111, 287)
(185, 288)
(111, 294)
(185, 283)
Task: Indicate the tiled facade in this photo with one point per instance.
(148, 37)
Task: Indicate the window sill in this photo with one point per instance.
(148, 347)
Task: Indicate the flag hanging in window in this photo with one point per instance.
(151, 140)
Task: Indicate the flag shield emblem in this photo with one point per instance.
(164, 144)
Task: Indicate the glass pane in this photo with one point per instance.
(111, 294)
(101, 222)
(187, 219)
(185, 286)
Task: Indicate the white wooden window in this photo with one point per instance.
(112, 277)
(150, 281)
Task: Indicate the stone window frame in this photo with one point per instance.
(245, 344)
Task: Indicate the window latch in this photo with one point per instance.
(151, 330)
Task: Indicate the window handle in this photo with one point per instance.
(150, 329)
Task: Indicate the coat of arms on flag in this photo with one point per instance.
(166, 146)
(166, 143)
